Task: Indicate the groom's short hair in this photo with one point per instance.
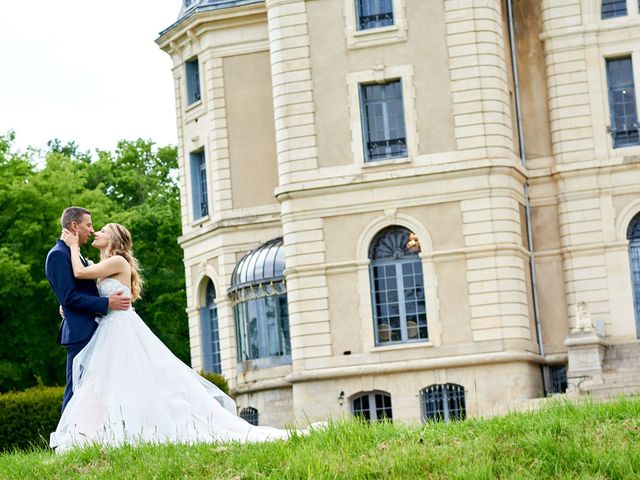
(73, 214)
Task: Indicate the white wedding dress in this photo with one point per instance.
(128, 387)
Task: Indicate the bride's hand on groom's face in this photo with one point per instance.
(69, 238)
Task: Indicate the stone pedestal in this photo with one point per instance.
(586, 357)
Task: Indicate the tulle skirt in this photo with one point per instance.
(130, 388)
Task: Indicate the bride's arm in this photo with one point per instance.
(105, 268)
(102, 269)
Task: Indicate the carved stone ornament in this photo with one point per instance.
(584, 322)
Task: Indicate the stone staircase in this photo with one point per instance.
(620, 373)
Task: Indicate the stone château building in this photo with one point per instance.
(408, 208)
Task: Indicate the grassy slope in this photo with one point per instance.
(565, 440)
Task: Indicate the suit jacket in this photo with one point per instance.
(80, 299)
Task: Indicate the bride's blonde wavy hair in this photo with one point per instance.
(121, 244)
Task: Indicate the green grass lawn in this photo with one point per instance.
(564, 440)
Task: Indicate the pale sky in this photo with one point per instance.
(87, 71)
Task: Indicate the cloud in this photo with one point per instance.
(86, 71)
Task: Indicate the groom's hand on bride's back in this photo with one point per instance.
(117, 301)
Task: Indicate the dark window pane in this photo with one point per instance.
(558, 378)
(443, 402)
(361, 407)
(614, 8)
(262, 327)
(199, 184)
(192, 74)
(374, 13)
(392, 296)
(633, 234)
(250, 415)
(383, 121)
(210, 335)
(394, 322)
(622, 103)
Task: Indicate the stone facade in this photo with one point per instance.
(279, 120)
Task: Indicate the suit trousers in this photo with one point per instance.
(72, 350)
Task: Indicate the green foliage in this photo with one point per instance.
(135, 185)
(584, 441)
(27, 418)
(218, 380)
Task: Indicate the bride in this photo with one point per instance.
(128, 386)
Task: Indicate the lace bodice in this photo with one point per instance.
(108, 286)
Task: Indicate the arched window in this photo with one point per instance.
(397, 287)
(250, 414)
(614, 8)
(210, 335)
(443, 402)
(259, 295)
(633, 234)
(372, 406)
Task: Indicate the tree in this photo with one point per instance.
(135, 186)
(143, 183)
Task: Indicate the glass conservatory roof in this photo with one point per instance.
(263, 265)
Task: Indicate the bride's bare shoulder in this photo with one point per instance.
(118, 262)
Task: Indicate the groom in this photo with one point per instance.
(79, 299)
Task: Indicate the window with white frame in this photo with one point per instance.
(382, 110)
(613, 8)
(443, 402)
(397, 287)
(382, 115)
(210, 334)
(372, 406)
(199, 192)
(622, 102)
(192, 74)
(370, 23)
(374, 13)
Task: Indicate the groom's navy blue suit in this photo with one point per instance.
(80, 302)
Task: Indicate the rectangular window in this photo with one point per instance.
(399, 302)
(614, 8)
(374, 13)
(622, 102)
(262, 327)
(199, 185)
(192, 71)
(382, 113)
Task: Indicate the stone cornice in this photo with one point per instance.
(396, 177)
(260, 385)
(178, 33)
(247, 222)
(414, 365)
(588, 34)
